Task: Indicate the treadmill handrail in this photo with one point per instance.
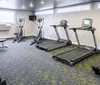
(92, 29)
(58, 26)
(55, 25)
(81, 28)
(65, 29)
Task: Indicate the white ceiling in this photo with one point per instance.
(35, 5)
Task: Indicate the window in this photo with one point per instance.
(44, 12)
(8, 4)
(6, 16)
(98, 5)
(74, 8)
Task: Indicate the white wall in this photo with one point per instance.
(74, 20)
(29, 27)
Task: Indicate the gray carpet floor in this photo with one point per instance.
(22, 64)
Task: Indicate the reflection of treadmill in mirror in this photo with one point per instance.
(48, 44)
(81, 52)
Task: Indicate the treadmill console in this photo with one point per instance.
(63, 23)
(87, 23)
(40, 19)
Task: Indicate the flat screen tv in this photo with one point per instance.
(32, 17)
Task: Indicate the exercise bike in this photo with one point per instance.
(39, 37)
(19, 33)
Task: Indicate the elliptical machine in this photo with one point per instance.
(19, 33)
(39, 22)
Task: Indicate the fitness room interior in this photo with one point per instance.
(49, 42)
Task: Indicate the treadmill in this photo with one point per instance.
(48, 44)
(81, 52)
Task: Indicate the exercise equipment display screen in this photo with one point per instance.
(87, 23)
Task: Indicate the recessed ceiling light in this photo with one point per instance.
(23, 7)
(31, 4)
(50, 16)
(42, 2)
(57, 0)
(23, 4)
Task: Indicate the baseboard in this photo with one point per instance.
(29, 37)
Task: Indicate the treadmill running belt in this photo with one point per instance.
(45, 41)
(53, 45)
(75, 55)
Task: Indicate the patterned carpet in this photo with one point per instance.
(22, 64)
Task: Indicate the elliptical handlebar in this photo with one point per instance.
(39, 21)
(20, 21)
